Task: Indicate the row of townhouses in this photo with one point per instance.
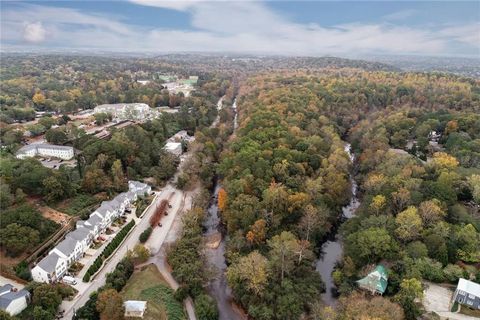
(54, 266)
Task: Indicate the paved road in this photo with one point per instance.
(128, 244)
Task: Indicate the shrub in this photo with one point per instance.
(206, 308)
(145, 235)
(108, 250)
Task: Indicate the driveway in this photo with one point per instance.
(437, 299)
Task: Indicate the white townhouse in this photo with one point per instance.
(104, 212)
(50, 269)
(93, 225)
(45, 150)
(69, 249)
(84, 238)
(131, 196)
(139, 188)
(13, 301)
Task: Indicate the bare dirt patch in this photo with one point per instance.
(55, 215)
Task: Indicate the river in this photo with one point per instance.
(332, 249)
(218, 287)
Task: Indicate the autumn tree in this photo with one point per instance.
(378, 203)
(252, 270)
(409, 224)
(118, 177)
(38, 99)
(222, 199)
(356, 306)
(257, 232)
(431, 211)
(110, 305)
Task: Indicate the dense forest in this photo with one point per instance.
(285, 176)
(284, 172)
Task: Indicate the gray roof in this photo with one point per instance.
(7, 298)
(130, 195)
(67, 246)
(94, 220)
(79, 234)
(49, 262)
(116, 202)
(104, 208)
(137, 184)
(42, 145)
(5, 288)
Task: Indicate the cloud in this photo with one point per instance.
(238, 26)
(34, 32)
(400, 15)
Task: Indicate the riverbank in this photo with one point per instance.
(332, 249)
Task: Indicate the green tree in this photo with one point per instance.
(56, 136)
(410, 289)
(283, 252)
(16, 238)
(206, 308)
(369, 245)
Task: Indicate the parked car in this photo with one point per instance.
(159, 224)
(69, 280)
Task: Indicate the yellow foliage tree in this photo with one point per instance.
(222, 199)
(38, 98)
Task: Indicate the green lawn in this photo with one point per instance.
(148, 284)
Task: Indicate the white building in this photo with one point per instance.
(13, 301)
(69, 249)
(174, 148)
(135, 308)
(467, 293)
(50, 269)
(126, 111)
(45, 150)
(139, 188)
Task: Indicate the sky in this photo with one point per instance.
(312, 28)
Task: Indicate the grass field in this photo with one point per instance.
(148, 284)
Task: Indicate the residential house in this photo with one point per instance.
(467, 293)
(13, 301)
(50, 269)
(106, 213)
(139, 188)
(69, 249)
(375, 282)
(45, 150)
(83, 236)
(135, 308)
(93, 224)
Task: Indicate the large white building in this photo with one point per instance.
(54, 266)
(126, 111)
(45, 150)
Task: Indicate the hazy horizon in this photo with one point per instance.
(287, 28)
